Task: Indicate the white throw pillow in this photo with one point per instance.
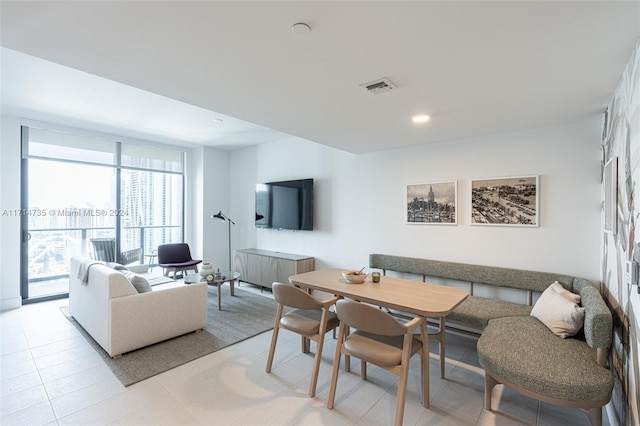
(559, 311)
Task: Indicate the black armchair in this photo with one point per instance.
(176, 257)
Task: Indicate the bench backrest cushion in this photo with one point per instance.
(479, 274)
(598, 321)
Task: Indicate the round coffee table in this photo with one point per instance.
(230, 277)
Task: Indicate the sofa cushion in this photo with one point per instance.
(117, 266)
(523, 351)
(558, 309)
(138, 281)
(477, 311)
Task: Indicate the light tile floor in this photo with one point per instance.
(51, 376)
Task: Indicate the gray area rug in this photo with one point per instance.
(242, 316)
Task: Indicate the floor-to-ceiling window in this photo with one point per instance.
(92, 195)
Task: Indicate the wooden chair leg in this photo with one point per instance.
(424, 365)
(594, 415)
(336, 368)
(318, 358)
(347, 358)
(402, 395)
(274, 338)
(272, 349)
(316, 368)
(489, 384)
(404, 377)
(442, 346)
(305, 345)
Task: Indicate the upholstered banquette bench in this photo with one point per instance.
(515, 348)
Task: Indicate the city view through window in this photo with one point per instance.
(72, 207)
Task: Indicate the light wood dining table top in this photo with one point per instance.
(414, 297)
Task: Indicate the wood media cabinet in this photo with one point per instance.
(263, 267)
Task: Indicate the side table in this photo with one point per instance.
(152, 256)
(230, 277)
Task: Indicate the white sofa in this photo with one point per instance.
(120, 319)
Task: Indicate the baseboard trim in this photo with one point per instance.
(12, 303)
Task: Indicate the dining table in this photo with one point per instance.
(400, 294)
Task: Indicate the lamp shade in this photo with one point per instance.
(222, 216)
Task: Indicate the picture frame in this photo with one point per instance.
(433, 203)
(610, 186)
(509, 201)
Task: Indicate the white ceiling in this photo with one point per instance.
(168, 69)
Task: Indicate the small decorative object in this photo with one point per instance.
(207, 268)
(375, 277)
(209, 278)
(218, 275)
(354, 277)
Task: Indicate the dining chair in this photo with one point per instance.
(176, 257)
(310, 318)
(382, 340)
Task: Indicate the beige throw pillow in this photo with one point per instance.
(138, 281)
(558, 309)
(575, 298)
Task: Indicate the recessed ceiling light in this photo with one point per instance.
(300, 28)
(422, 118)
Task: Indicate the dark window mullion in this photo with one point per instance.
(118, 202)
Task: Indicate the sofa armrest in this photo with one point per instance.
(598, 321)
(143, 319)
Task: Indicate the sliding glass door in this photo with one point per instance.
(63, 214)
(92, 197)
(151, 203)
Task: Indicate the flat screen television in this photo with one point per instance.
(285, 205)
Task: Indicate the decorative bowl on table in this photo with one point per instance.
(354, 277)
(207, 268)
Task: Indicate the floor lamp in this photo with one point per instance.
(224, 217)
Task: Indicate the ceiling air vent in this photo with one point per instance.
(381, 85)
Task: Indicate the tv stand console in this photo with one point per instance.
(263, 267)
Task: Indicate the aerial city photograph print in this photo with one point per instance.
(505, 201)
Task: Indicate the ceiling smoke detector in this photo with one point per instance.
(381, 85)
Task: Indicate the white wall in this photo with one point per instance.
(9, 225)
(360, 200)
(621, 141)
(214, 183)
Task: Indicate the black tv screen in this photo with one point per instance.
(285, 205)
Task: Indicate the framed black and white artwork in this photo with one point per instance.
(511, 201)
(432, 203)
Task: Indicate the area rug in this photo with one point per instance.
(243, 316)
